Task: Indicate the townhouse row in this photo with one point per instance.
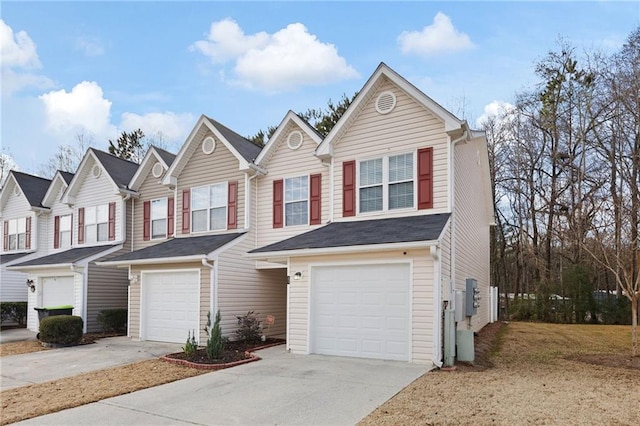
(355, 243)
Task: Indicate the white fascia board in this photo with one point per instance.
(243, 163)
(290, 116)
(175, 166)
(35, 268)
(69, 195)
(341, 250)
(143, 168)
(53, 189)
(156, 261)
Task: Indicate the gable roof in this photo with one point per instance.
(60, 180)
(363, 233)
(153, 154)
(451, 122)
(289, 117)
(32, 187)
(175, 250)
(120, 172)
(240, 147)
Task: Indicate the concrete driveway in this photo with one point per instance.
(281, 389)
(38, 367)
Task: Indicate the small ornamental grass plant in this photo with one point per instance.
(215, 341)
(191, 345)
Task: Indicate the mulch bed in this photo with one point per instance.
(235, 353)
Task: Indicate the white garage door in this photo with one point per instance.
(170, 305)
(57, 291)
(361, 311)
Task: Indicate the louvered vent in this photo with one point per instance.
(294, 141)
(385, 102)
(96, 171)
(157, 170)
(208, 145)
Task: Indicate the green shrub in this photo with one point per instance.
(113, 320)
(61, 329)
(215, 342)
(249, 328)
(13, 311)
(191, 345)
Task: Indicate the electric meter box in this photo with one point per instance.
(472, 296)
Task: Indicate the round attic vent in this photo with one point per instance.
(208, 145)
(96, 171)
(385, 102)
(16, 190)
(294, 141)
(157, 170)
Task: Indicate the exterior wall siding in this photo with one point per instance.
(281, 163)
(242, 288)
(202, 169)
(58, 209)
(13, 286)
(422, 297)
(108, 290)
(471, 229)
(150, 189)
(405, 129)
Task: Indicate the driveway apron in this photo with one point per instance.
(279, 389)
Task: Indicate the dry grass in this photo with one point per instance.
(18, 348)
(44, 398)
(541, 374)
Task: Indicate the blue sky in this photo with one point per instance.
(98, 68)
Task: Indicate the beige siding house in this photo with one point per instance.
(200, 267)
(87, 216)
(406, 224)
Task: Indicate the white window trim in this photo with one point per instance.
(165, 218)
(17, 234)
(96, 223)
(385, 184)
(284, 200)
(226, 209)
(61, 243)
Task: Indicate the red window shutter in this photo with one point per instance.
(146, 221)
(186, 211)
(232, 206)
(349, 188)
(425, 178)
(112, 221)
(27, 237)
(170, 217)
(56, 232)
(6, 235)
(278, 204)
(81, 225)
(315, 208)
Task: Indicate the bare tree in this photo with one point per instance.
(68, 157)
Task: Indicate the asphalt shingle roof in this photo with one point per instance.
(364, 232)
(166, 156)
(64, 257)
(180, 247)
(244, 147)
(33, 187)
(6, 258)
(66, 176)
(121, 171)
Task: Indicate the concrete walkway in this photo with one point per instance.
(281, 389)
(16, 335)
(38, 367)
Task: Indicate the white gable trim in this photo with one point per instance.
(325, 148)
(183, 155)
(74, 186)
(57, 183)
(144, 168)
(290, 117)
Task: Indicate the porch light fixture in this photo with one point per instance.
(31, 286)
(297, 276)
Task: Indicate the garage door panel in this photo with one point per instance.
(58, 291)
(361, 311)
(171, 305)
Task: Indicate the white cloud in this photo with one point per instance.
(170, 126)
(438, 38)
(18, 58)
(285, 60)
(83, 109)
(17, 50)
(89, 46)
(495, 109)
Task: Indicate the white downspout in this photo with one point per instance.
(437, 325)
(83, 276)
(213, 287)
(452, 197)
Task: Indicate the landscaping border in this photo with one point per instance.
(221, 366)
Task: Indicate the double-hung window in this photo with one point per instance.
(386, 183)
(209, 208)
(296, 200)
(17, 233)
(159, 218)
(64, 231)
(96, 223)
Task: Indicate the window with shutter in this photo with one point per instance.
(277, 203)
(425, 178)
(315, 199)
(232, 206)
(349, 188)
